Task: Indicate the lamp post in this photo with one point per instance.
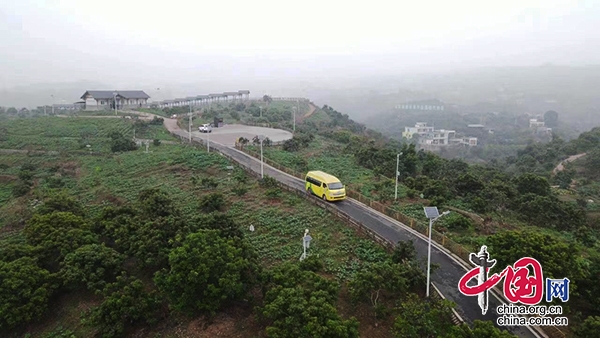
(433, 215)
(260, 111)
(397, 174)
(115, 102)
(52, 104)
(208, 140)
(190, 126)
(294, 112)
(261, 137)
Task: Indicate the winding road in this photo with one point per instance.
(446, 277)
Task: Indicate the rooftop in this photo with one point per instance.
(109, 94)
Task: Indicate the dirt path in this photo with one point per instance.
(561, 167)
(311, 111)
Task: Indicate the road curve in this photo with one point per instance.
(450, 269)
(560, 166)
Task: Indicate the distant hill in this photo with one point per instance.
(569, 90)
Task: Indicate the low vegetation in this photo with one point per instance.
(113, 242)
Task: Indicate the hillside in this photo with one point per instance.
(111, 240)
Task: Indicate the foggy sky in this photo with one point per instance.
(231, 45)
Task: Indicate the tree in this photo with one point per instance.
(551, 119)
(125, 302)
(467, 184)
(155, 203)
(297, 313)
(404, 252)
(558, 257)
(589, 328)
(60, 202)
(206, 272)
(378, 281)
(267, 99)
(564, 178)
(300, 303)
(212, 202)
(592, 163)
(120, 143)
(423, 318)
(532, 183)
(481, 329)
(92, 266)
(58, 234)
(24, 291)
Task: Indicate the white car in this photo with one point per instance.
(205, 128)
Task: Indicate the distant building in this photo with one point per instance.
(107, 99)
(420, 129)
(425, 105)
(438, 137)
(67, 106)
(468, 141)
(428, 136)
(475, 126)
(535, 123)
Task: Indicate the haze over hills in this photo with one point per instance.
(568, 90)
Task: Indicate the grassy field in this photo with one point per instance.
(106, 179)
(327, 155)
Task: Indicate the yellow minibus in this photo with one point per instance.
(325, 186)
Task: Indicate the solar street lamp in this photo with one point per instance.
(190, 125)
(433, 214)
(261, 138)
(397, 174)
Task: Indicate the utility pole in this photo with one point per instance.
(208, 141)
(52, 104)
(260, 111)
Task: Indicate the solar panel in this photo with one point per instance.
(431, 212)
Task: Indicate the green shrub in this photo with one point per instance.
(240, 191)
(156, 142)
(21, 189)
(458, 221)
(212, 202)
(273, 193)
(269, 182)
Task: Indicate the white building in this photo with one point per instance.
(107, 99)
(420, 129)
(535, 123)
(428, 136)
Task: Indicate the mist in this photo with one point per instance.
(317, 49)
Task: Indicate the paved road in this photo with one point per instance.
(228, 134)
(445, 278)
